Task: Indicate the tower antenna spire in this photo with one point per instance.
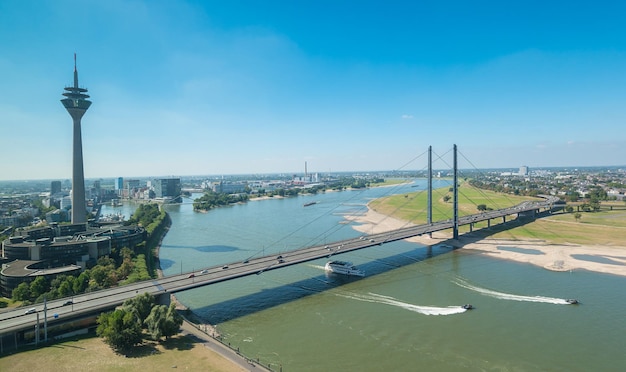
(75, 73)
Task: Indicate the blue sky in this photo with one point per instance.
(230, 87)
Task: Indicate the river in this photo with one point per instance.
(405, 314)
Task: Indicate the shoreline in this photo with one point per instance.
(204, 333)
(554, 257)
(196, 322)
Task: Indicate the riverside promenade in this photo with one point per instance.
(200, 335)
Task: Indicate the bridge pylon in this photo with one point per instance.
(455, 206)
(429, 218)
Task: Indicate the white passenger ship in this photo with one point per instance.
(343, 267)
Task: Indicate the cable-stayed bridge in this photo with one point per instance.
(85, 307)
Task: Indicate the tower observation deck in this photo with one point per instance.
(76, 104)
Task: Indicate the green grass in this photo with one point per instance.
(92, 354)
(593, 228)
(601, 228)
(413, 206)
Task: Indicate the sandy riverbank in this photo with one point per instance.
(556, 257)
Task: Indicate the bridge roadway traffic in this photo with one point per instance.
(96, 302)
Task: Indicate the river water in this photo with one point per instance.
(405, 314)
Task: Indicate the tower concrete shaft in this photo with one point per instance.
(76, 104)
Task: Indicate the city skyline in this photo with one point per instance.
(209, 88)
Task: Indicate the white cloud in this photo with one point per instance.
(407, 116)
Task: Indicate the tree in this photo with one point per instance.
(120, 329)
(481, 207)
(140, 306)
(66, 288)
(99, 277)
(126, 266)
(594, 204)
(569, 209)
(573, 196)
(21, 292)
(173, 321)
(163, 321)
(155, 321)
(38, 287)
(81, 283)
(577, 216)
(446, 198)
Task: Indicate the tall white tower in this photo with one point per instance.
(76, 105)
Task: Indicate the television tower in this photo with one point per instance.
(76, 104)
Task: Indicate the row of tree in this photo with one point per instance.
(122, 267)
(103, 275)
(124, 327)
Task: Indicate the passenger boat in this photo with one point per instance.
(343, 267)
(572, 301)
(309, 203)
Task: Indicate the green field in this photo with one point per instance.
(413, 206)
(599, 228)
(593, 228)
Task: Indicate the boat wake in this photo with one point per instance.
(509, 296)
(426, 310)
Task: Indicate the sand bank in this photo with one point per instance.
(556, 257)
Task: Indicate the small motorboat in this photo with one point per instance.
(467, 307)
(572, 301)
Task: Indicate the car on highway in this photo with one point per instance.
(225, 267)
(191, 275)
(68, 302)
(30, 311)
(205, 271)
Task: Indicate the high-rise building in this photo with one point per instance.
(55, 187)
(168, 188)
(523, 170)
(119, 184)
(76, 104)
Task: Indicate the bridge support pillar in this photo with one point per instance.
(489, 223)
(503, 219)
(163, 299)
(471, 226)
